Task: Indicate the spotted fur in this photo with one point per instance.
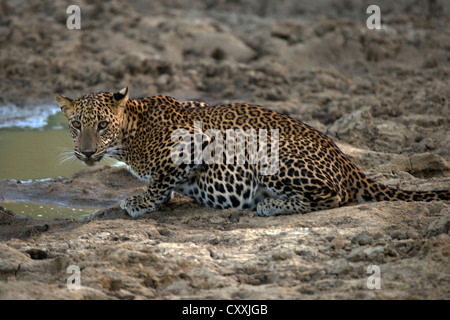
(313, 172)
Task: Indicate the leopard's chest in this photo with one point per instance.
(146, 177)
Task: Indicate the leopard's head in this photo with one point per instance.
(94, 122)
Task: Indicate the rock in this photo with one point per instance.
(440, 225)
(357, 254)
(110, 214)
(403, 234)
(428, 163)
(54, 265)
(11, 259)
(337, 243)
(353, 126)
(376, 254)
(219, 46)
(363, 238)
(281, 255)
(367, 253)
(339, 267)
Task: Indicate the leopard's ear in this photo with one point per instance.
(65, 104)
(121, 98)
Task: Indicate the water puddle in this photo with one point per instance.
(47, 210)
(35, 144)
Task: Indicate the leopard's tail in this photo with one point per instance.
(379, 192)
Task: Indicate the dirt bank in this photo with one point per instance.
(382, 95)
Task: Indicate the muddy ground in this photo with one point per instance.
(382, 95)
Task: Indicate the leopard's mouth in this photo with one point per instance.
(90, 161)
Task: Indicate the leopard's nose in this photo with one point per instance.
(88, 153)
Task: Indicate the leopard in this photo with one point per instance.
(311, 172)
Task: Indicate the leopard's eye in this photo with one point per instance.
(76, 124)
(103, 125)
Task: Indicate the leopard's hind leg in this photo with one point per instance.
(274, 207)
(320, 199)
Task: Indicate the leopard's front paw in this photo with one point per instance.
(135, 206)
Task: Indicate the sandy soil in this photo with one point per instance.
(382, 95)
